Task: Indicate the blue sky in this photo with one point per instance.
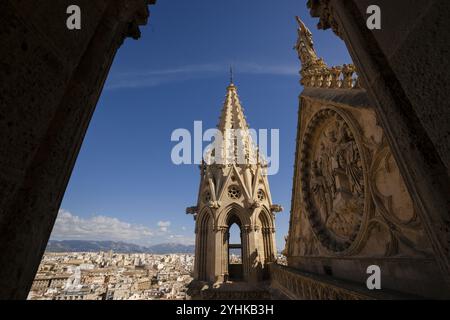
(124, 185)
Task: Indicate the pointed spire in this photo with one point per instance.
(232, 116)
(231, 75)
(234, 127)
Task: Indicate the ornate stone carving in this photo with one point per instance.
(234, 192)
(268, 230)
(323, 10)
(255, 204)
(394, 210)
(222, 229)
(332, 181)
(297, 285)
(315, 72)
(214, 204)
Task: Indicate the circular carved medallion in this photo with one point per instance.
(333, 179)
(261, 195)
(234, 192)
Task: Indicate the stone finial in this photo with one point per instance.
(305, 45)
(315, 72)
(305, 49)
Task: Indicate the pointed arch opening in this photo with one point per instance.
(204, 241)
(234, 252)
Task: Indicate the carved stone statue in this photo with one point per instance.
(333, 181)
(337, 183)
(320, 186)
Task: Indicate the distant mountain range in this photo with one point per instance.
(119, 247)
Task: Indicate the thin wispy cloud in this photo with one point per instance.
(152, 78)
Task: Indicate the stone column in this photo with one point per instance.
(220, 254)
(273, 243)
(269, 243)
(245, 242)
(197, 251)
(253, 254)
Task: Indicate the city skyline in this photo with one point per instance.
(112, 276)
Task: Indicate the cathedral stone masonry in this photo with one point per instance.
(351, 207)
(315, 72)
(233, 192)
(400, 66)
(372, 170)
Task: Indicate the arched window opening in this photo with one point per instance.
(235, 269)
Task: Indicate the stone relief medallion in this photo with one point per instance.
(333, 179)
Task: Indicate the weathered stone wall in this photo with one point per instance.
(414, 40)
(371, 182)
(351, 208)
(50, 81)
(401, 66)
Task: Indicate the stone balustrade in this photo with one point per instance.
(294, 284)
(337, 77)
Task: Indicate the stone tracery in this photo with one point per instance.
(234, 192)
